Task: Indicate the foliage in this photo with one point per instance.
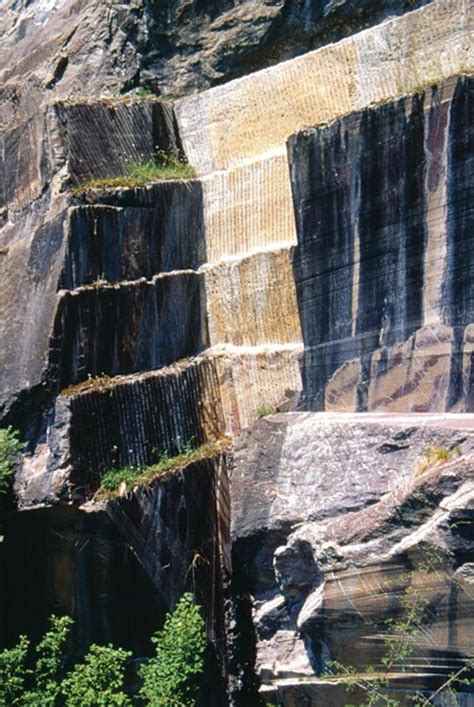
(434, 457)
(99, 680)
(10, 450)
(50, 663)
(263, 411)
(112, 479)
(13, 673)
(141, 476)
(399, 643)
(171, 678)
(166, 167)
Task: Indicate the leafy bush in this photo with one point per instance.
(99, 680)
(171, 678)
(10, 450)
(13, 673)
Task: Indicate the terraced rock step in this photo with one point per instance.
(127, 327)
(252, 300)
(132, 420)
(134, 233)
(233, 123)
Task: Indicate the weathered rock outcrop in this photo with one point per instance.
(177, 47)
(334, 535)
(137, 322)
(383, 206)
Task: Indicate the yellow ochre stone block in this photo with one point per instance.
(252, 301)
(231, 124)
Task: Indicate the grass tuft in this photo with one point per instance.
(112, 481)
(167, 168)
(263, 411)
(434, 457)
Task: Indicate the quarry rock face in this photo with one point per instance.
(173, 48)
(382, 207)
(316, 272)
(340, 534)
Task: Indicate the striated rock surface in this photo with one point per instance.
(176, 47)
(382, 202)
(335, 534)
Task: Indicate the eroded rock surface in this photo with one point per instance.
(333, 536)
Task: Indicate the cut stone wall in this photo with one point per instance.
(384, 262)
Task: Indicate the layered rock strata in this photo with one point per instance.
(384, 263)
(335, 534)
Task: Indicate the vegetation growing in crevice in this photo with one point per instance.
(434, 457)
(401, 638)
(125, 478)
(166, 167)
(263, 411)
(170, 678)
(10, 451)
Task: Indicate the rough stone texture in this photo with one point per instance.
(132, 420)
(251, 301)
(248, 209)
(177, 47)
(234, 123)
(127, 327)
(135, 233)
(383, 266)
(38, 160)
(331, 528)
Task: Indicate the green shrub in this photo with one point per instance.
(10, 450)
(13, 673)
(99, 680)
(50, 661)
(112, 479)
(171, 678)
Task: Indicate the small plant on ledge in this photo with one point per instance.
(263, 411)
(114, 481)
(167, 167)
(10, 451)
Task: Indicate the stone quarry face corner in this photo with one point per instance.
(237, 350)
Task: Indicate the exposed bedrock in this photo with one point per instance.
(252, 301)
(65, 144)
(384, 262)
(177, 47)
(131, 326)
(137, 233)
(132, 420)
(253, 116)
(54, 248)
(117, 567)
(334, 534)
